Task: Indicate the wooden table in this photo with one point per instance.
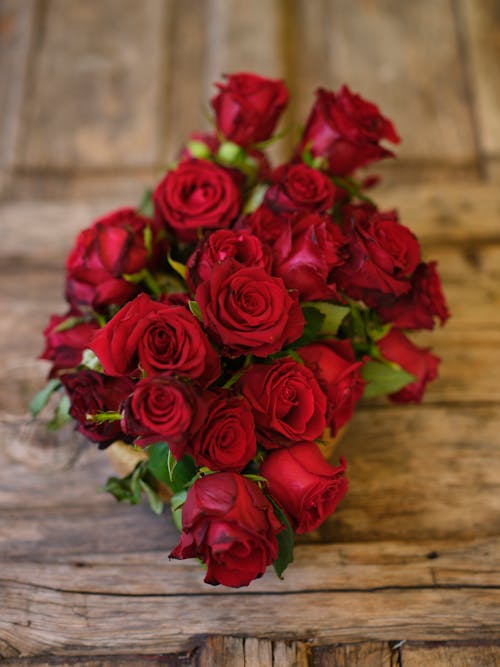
(95, 99)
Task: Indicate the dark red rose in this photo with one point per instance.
(304, 484)
(113, 246)
(163, 408)
(65, 348)
(230, 525)
(197, 195)
(248, 106)
(396, 347)
(266, 224)
(287, 402)
(305, 254)
(346, 129)
(244, 247)
(338, 374)
(425, 301)
(297, 187)
(247, 311)
(383, 255)
(226, 440)
(158, 339)
(90, 393)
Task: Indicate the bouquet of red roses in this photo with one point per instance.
(225, 329)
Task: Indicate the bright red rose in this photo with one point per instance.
(230, 525)
(425, 301)
(65, 348)
(383, 255)
(339, 376)
(304, 484)
(226, 440)
(247, 311)
(111, 248)
(244, 247)
(297, 187)
(346, 129)
(395, 346)
(305, 254)
(287, 402)
(158, 339)
(248, 106)
(90, 393)
(266, 224)
(163, 408)
(197, 195)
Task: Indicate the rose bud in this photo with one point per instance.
(305, 254)
(424, 302)
(91, 392)
(244, 247)
(112, 247)
(226, 440)
(196, 195)
(304, 484)
(157, 338)
(247, 311)
(339, 376)
(230, 525)
(287, 402)
(297, 187)
(163, 408)
(248, 106)
(382, 255)
(417, 361)
(346, 129)
(65, 348)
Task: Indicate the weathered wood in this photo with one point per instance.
(479, 654)
(172, 660)
(94, 93)
(359, 654)
(404, 56)
(481, 28)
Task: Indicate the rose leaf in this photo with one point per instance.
(384, 378)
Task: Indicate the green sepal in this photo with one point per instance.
(384, 378)
(40, 400)
(195, 310)
(128, 488)
(285, 541)
(69, 323)
(178, 267)
(61, 414)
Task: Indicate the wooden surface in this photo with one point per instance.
(95, 98)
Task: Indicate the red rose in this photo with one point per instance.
(297, 187)
(395, 346)
(156, 338)
(248, 106)
(226, 440)
(91, 392)
(244, 247)
(287, 403)
(346, 129)
(304, 484)
(163, 408)
(338, 374)
(383, 255)
(305, 254)
(266, 224)
(425, 301)
(247, 311)
(112, 247)
(65, 348)
(197, 195)
(230, 525)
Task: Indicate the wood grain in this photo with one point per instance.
(482, 654)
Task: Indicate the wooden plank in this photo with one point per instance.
(406, 59)
(172, 660)
(94, 96)
(481, 28)
(480, 654)
(359, 654)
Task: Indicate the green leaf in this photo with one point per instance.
(91, 361)
(40, 400)
(158, 462)
(384, 378)
(333, 316)
(148, 240)
(285, 541)
(256, 198)
(69, 323)
(183, 473)
(146, 207)
(176, 503)
(195, 309)
(61, 414)
(128, 488)
(178, 267)
(314, 321)
(154, 500)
